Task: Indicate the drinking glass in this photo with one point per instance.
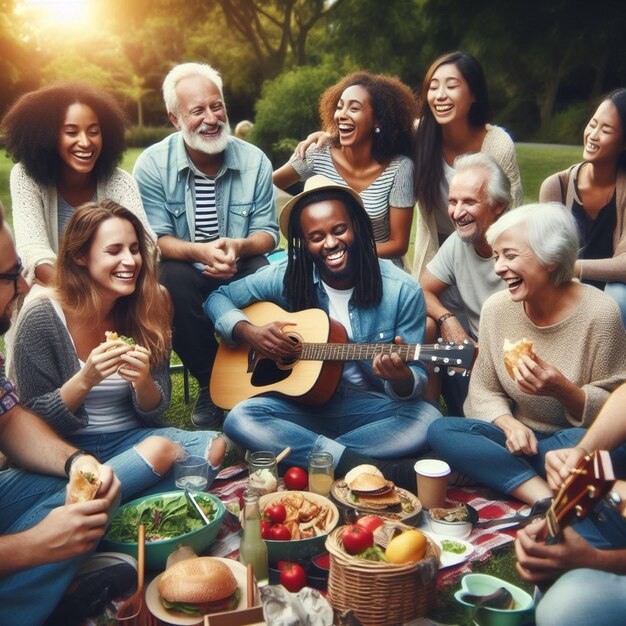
(321, 472)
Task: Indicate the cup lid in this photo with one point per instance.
(432, 467)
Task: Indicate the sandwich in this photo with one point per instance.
(111, 335)
(362, 469)
(513, 353)
(374, 492)
(198, 586)
(83, 486)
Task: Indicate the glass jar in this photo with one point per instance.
(263, 472)
(321, 472)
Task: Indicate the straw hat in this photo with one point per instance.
(313, 184)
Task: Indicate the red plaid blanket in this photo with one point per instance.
(232, 481)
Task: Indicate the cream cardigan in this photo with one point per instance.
(35, 215)
(497, 144)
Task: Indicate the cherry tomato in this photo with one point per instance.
(265, 529)
(370, 522)
(292, 577)
(356, 539)
(278, 532)
(276, 513)
(296, 479)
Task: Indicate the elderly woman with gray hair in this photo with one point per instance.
(578, 358)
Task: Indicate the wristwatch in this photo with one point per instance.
(615, 501)
(72, 457)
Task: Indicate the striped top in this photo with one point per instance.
(393, 188)
(207, 227)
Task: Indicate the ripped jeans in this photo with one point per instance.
(117, 450)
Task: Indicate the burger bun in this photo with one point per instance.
(361, 469)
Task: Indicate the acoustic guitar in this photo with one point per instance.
(588, 483)
(312, 377)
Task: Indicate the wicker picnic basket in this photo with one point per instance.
(381, 594)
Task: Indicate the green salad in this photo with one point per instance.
(163, 518)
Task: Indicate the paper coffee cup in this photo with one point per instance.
(432, 482)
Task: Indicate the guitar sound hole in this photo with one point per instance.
(267, 372)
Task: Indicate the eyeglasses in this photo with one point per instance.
(14, 276)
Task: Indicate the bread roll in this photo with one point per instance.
(513, 352)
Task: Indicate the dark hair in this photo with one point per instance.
(394, 106)
(145, 314)
(1, 214)
(428, 137)
(298, 282)
(31, 129)
(618, 98)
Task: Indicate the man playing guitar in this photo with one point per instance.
(589, 564)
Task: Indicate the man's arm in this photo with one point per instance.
(451, 329)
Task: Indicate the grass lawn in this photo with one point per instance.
(536, 162)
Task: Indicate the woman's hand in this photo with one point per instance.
(103, 361)
(519, 438)
(135, 367)
(319, 137)
(559, 463)
(538, 378)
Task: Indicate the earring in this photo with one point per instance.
(377, 130)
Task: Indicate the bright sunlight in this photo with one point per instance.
(56, 12)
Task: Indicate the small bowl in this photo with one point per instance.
(460, 530)
(158, 551)
(483, 584)
(298, 550)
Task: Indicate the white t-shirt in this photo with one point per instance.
(457, 263)
(338, 310)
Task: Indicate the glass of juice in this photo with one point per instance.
(321, 472)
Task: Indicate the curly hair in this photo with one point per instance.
(428, 137)
(298, 281)
(32, 124)
(394, 106)
(145, 314)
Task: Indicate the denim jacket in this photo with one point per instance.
(244, 194)
(402, 312)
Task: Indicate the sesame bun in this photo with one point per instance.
(513, 352)
(197, 580)
(361, 469)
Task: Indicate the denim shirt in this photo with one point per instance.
(402, 311)
(244, 194)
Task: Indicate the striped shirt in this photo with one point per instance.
(207, 227)
(393, 188)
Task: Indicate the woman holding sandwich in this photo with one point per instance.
(570, 355)
(106, 397)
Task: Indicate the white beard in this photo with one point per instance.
(198, 142)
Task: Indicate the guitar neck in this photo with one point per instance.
(357, 351)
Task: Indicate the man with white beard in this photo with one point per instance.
(209, 198)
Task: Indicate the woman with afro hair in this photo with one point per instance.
(369, 118)
(66, 140)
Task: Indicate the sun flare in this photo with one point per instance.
(58, 12)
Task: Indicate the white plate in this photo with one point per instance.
(448, 559)
(153, 601)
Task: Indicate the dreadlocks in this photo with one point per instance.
(298, 282)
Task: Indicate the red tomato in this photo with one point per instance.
(296, 479)
(292, 577)
(356, 539)
(370, 522)
(276, 513)
(265, 529)
(278, 532)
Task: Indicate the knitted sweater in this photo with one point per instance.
(497, 144)
(46, 359)
(561, 187)
(35, 213)
(588, 348)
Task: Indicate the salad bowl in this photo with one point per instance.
(170, 522)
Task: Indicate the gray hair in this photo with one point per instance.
(552, 236)
(498, 184)
(184, 70)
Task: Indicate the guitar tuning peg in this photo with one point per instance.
(437, 370)
(446, 360)
(458, 361)
(440, 340)
(451, 372)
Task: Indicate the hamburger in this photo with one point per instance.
(83, 486)
(513, 353)
(374, 492)
(111, 335)
(198, 586)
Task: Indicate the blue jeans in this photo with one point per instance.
(369, 423)
(617, 291)
(584, 597)
(116, 449)
(478, 449)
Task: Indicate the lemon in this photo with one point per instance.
(408, 547)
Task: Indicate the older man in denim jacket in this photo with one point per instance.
(209, 198)
(377, 414)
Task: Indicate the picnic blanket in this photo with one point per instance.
(232, 481)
